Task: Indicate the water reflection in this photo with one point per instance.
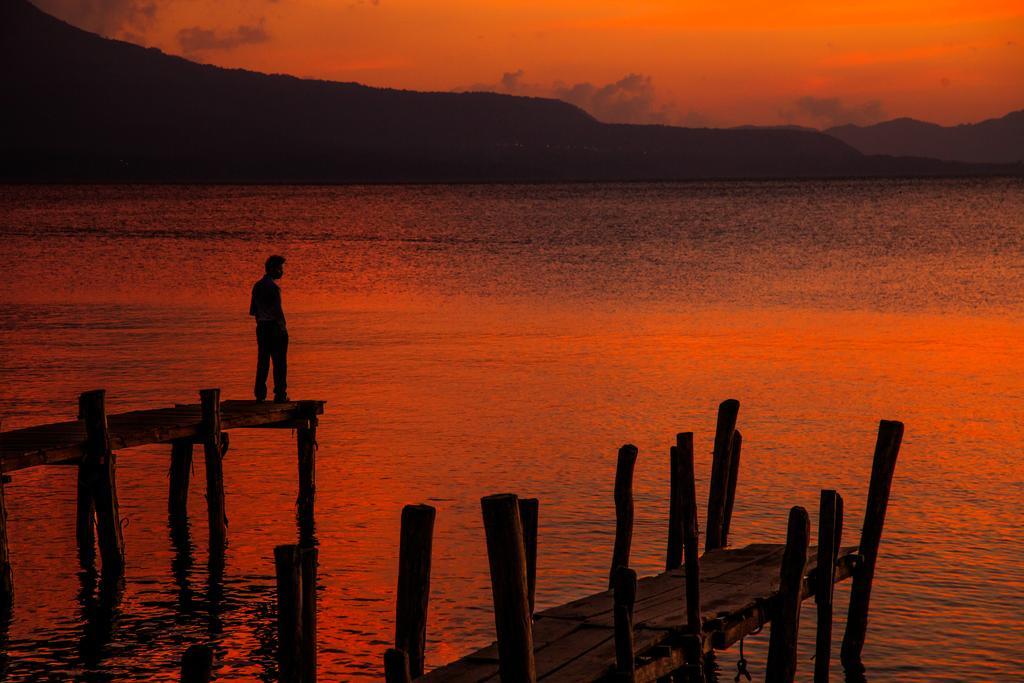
(473, 340)
(100, 599)
(182, 562)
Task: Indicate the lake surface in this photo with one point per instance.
(480, 339)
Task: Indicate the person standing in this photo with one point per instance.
(271, 332)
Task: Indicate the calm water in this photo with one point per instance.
(472, 340)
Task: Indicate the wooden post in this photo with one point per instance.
(289, 613)
(529, 510)
(100, 463)
(623, 509)
(178, 475)
(197, 664)
(839, 524)
(308, 559)
(829, 524)
(6, 575)
(691, 533)
(413, 594)
(624, 599)
(676, 502)
(396, 666)
(786, 621)
(727, 414)
(507, 557)
(212, 450)
(730, 495)
(306, 439)
(887, 448)
(85, 518)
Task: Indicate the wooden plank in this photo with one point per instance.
(714, 565)
(62, 442)
(483, 664)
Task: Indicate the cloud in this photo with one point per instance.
(196, 39)
(116, 18)
(631, 99)
(832, 111)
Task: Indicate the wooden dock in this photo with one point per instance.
(91, 442)
(576, 641)
(63, 443)
(657, 628)
(662, 627)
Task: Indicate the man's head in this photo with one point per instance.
(275, 267)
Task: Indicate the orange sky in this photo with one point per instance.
(692, 63)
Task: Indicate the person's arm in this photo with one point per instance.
(277, 308)
(252, 302)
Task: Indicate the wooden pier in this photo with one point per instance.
(90, 443)
(662, 627)
(658, 628)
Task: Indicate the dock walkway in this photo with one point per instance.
(666, 626)
(91, 444)
(576, 641)
(65, 442)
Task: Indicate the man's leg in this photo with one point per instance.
(263, 346)
(280, 354)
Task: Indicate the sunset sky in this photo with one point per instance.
(670, 61)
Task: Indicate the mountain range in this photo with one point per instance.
(75, 106)
(995, 140)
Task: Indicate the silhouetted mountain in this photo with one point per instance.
(784, 126)
(76, 106)
(992, 141)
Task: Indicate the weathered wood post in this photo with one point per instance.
(85, 515)
(676, 503)
(178, 475)
(691, 532)
(6, 575)
(830, 522)
(308, 559)
(730, 494)
(413, 595)
(728, 411)
(288, 569)
(212, 450)
(786, 621)
(197, 664)
(306, 441)
(507, 557)
(887, 449)
(624, 599)
(396, 666)
(100, 463)
(529, 511)
(623, 509)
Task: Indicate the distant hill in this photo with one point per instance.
(992, 141)
(76, 106)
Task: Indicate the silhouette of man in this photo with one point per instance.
(271, 332)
